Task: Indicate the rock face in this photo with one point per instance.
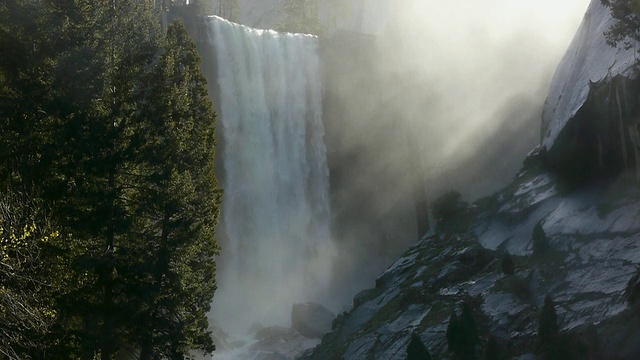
(591, 112)
(590, 224)
(311, 320)
(594, 251)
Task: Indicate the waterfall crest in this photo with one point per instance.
(275, 212)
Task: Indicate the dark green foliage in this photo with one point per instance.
(491, 350)
(450, 212)
(452, 332)
(567, 347)
(548, 328)
(507, 264)
(462, 334)
(540, 242)
(181, 201)
(416, 349)
(521, 287)
(626, 30)
(563, 346)
(108, 123)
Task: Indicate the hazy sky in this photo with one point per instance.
(478, 55)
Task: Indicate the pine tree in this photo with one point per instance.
(416, 349)
(548, 328)
(491, 351)
(452, 332)
(468, 338)
(179, 204)
(113, 131)
(540, 241)
(462, 334)
(626, 30)
(507, 264)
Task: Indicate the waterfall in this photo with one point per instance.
(275, 212)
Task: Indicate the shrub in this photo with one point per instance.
(491, 350)
(462, 334)
(548, 327)
(450, 212)
(507, 264)
(539, 239)
(521, 287)
(416, 349)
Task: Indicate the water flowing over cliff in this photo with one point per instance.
(275, 214)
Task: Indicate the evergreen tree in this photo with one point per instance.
(491, 351)
(468, 334)
(548, 328)
(77, 133)
(540, 242)
(450, 212)
(178, 206)
(626, 30)
(462, 334)
(416, 349)
(507, 264)
(452, 332)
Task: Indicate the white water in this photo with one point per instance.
(276, 184)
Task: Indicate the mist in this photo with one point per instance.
(446, 95)
(431, 96)
(476, 69)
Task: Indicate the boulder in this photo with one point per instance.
(311, 320)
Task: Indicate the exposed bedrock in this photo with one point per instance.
(590, 118)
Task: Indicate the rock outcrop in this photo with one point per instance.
(590, 119)
(311, 320)
(593, 253)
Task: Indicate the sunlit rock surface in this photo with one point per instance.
(590, 123)
(594, 235)
(589, 59)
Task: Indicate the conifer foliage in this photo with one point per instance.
(462, 334)
(548, 328)
(626, 30)
(106, 124)
(416, 349)
(507, 264)
(539, 240)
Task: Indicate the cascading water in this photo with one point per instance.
(276, 204)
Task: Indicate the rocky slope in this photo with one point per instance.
(594, 251)
(577, 195)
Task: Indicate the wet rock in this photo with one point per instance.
(311, 320)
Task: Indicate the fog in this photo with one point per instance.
(481, 65)
(447, 95)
